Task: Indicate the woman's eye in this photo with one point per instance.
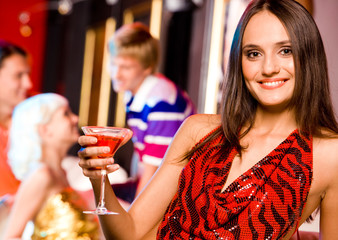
(252, 54)
(286, 51)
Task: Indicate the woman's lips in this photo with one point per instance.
(272, 84)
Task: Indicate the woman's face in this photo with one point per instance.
(127, 73)
(14, 80)
(63, 127)
(267, 61)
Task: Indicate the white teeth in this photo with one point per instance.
(273, 83)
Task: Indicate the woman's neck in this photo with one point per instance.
(275, 122)
(53, 157)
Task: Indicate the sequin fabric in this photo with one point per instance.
(62, 218)
(265, 202)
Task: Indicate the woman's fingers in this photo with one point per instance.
(87, 140)
(88, 150)
(96, 163)
(89, 162)
(92, 167)
(126, 139)
(96, 173)
(92, 152)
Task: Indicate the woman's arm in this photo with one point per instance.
(149, 207)
(148, 171)
(329, 203)
(31, 196)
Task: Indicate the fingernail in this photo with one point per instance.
(106, 150)
(94, 140)
(114, 166)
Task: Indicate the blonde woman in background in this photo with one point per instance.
(43, 129)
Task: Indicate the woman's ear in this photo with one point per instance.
(44, 130)
(41, 130)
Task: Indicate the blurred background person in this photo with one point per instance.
(155, 106)
(14, 84)
(43, 130)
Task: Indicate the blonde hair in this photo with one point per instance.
(25, 151)
(134, 40)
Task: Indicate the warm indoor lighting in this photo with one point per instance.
(65, 7)
(24, 17)
(25, 30)
(111, 2)
(105, 88)
(214, 69)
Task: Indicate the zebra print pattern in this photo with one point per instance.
(265, 202)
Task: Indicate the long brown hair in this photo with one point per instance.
(311, 97)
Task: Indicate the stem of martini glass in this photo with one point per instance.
(101, 205)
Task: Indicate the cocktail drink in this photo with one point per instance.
(111, 137)
(113, 142)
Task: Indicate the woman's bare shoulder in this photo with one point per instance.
(325, 183)
(326, 146)
(200, 125)
(325, 155)
(37, 185)
(192, 130)
(41, 177)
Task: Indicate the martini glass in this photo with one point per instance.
(106, 136)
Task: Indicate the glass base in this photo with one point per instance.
(101, 211)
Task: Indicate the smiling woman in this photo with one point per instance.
(267, 60)
(260, 168)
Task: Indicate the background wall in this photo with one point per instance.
(325, 14)
(34, 43)
(49, 67)
(326, 17)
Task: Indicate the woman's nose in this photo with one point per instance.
(270, 66)
(75, 118)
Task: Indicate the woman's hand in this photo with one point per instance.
(90, 163)
(127, 138)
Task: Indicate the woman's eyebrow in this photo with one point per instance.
(251, 45)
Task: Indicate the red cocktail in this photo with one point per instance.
(112, 142)
(111, 137)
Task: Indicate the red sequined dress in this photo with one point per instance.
(265, 202)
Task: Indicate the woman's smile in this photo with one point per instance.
(272, 83)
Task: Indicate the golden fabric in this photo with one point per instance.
(62, 218)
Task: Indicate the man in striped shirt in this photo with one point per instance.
(155, 106)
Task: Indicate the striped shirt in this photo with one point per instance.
(154, 114)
